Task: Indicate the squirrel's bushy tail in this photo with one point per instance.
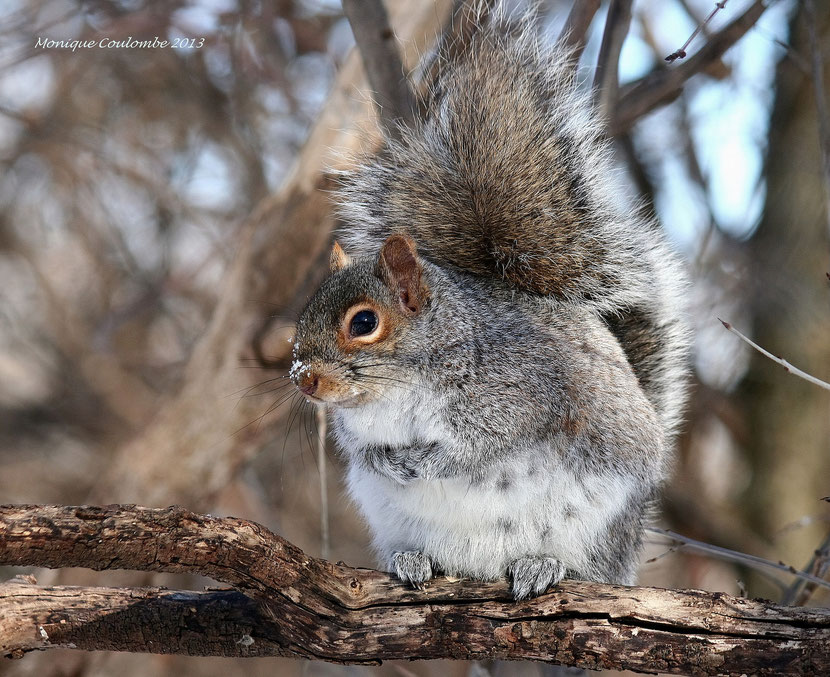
(508, 175)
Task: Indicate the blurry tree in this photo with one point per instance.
(788, 298)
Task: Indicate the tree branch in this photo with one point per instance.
(795, 371)
(817, 62)
(312, 608)
(664, 85)
(575, 31)
(382, 63)
(801, 589)
(681, 53)
(606, 75)
(143, 620)
(752, 561)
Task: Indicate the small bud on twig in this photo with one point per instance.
(681, 53)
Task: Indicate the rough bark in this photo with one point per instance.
(289, 604)
(140, 620)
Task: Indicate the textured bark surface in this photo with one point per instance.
(289, 604)
(141, 620)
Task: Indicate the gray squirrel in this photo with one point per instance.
(501, 344)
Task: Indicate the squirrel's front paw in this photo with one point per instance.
(396, 463)
(414, 568)
(533, 575)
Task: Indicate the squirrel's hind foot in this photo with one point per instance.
(412, 567)
(531, 576)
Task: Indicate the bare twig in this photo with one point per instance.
(606, 76)
(309, 608)
(795, 371)
(681, 53)
(664, 85)
(382, 62)
(817, 61)
(801, 590)
(693, 14)
(320, 415)
(734, 556)
(575, 31)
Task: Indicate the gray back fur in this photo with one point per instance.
(509, 175)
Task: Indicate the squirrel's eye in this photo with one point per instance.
(363, 323)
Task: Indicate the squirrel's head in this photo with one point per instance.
(347, 348)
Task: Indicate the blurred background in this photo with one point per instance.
(164, 214)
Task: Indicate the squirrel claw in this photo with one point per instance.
(412, 567)
(533, 575)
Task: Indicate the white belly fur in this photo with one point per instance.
(478, 530)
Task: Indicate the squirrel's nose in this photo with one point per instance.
(308, 384)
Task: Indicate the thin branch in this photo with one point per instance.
(681, 53)
(322, 467)
(382, 62)
(693, 14)
(800, 591)
(733, 556)
(606, 76)
(664, 85)
(821, 102)
(314, 609)
(795, 371)
(574, 33)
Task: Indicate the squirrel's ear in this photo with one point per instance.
(399, 267)
(338, 259)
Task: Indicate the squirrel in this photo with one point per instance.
(501, 340)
